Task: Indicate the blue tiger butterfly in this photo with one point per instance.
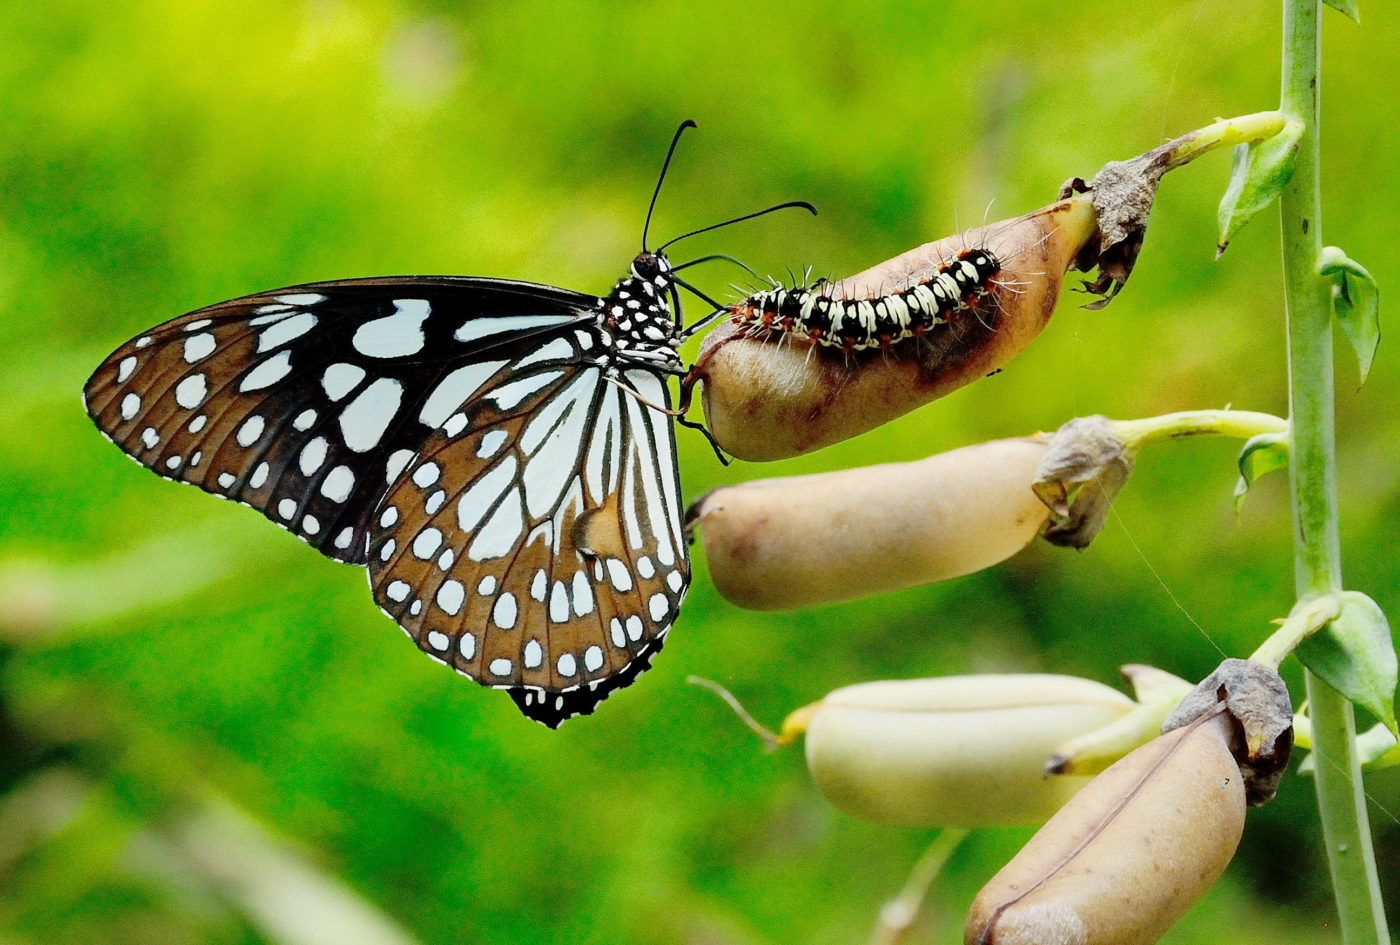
(500, 454)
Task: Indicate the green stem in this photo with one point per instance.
(1242, 424)
(1312, 471)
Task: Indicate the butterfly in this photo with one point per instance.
(499, 454)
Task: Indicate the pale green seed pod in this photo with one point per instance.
(773, 544)
(1128, 855)
(956, 751)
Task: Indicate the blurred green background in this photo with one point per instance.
(208, 733)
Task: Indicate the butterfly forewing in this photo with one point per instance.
(306, 403)
(535, 543)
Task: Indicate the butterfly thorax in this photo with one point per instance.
(637, 315)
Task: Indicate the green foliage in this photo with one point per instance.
(1356, 300)
(1258, 174)
(1356, 657)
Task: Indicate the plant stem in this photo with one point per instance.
(1312, 471)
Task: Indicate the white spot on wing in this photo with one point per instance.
(618, 574)
(658, 605)
(426, 474)
(501, 532)
(340, 379)
(304, 420)
(509, 396)
(467, 645)
(338, 484)
(394, 336)
(427, 543)
(259, 476)
(453, 390)
(478, 499)
(364, 419)
(198, 347)
(312, 456)
(285, 330)
(505, 611)
(500, 667)
(268, 372)
(252, 428)
(475, 329)
(491, 443)
(450, 597)
(190, 392)
(287, 508)
(124, 369)
(534, 654)
(131, 404)
(397, 591)
(396, 464)
(567, 665)
(438, 640)
(150, 437)
(583, 595)
(593, 659)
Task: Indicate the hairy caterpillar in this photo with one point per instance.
(856, 324)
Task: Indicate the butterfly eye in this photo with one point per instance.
(647, 266)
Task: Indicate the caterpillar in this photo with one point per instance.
(857, 324)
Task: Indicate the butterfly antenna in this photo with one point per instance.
(748, 216)
(711, 258)
(660, 180)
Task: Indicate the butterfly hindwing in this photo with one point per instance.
(306, 403)
(535, 543)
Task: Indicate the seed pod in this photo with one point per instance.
(957, 751)
(773, 395)
(1128, 855)
(793, 542)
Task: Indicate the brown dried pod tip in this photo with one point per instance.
(773, 544)
(779, 379)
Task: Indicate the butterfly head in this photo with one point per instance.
(653, 268)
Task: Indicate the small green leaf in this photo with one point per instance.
(1347, 7)
(1356, 299)
(1262, 454)
(1257, 176)
(1355, 656)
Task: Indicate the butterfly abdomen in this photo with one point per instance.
(958, 286)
